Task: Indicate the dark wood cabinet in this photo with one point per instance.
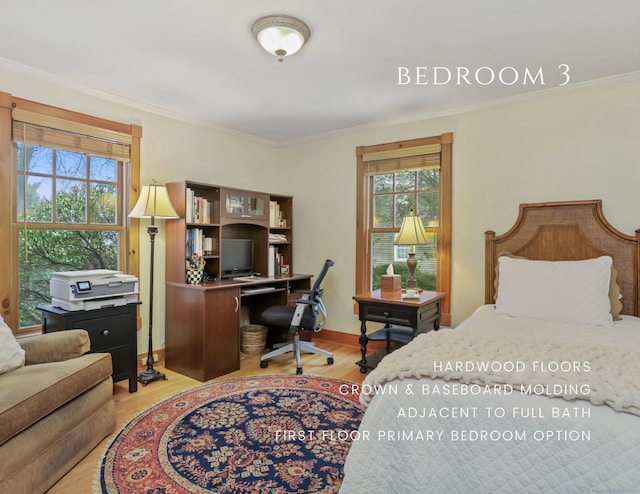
(111, 330)
(202, 324)
(244, 205)
(202, 330)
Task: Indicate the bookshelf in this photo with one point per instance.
(280, 235)
(210, 213)
(196, 231)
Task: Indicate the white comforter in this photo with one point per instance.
(422, 433)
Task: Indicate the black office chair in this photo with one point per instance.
(309, 313)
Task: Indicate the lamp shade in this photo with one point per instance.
(153, 202)
(280, 35)
(412, 231)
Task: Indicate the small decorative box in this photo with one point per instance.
(390, 283)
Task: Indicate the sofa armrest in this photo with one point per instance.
(54, 347)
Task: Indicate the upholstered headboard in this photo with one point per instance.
(565, 231)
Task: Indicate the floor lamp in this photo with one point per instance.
(153, 203)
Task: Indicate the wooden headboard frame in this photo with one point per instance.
(565, 231)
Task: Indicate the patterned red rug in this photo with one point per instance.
(267, 434)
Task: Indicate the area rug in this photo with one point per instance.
(267, 434)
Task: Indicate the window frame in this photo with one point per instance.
(9, 226)
(363, 206)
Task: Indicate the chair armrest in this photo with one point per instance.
(54, 347)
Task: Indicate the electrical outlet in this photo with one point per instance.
(143, 360)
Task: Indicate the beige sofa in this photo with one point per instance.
(53, 410)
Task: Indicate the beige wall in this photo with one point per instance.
(566, 145)
(570, 144)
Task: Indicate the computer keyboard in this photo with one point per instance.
(249, 291)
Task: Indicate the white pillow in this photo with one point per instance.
(564, 291)
(11, 354)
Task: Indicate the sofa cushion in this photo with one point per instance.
(56, 346)
(11, 355)
(33, 391)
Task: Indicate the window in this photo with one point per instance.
(400, 253)
(69, 214)
(71, 177)
(393, 179)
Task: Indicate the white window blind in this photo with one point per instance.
(53, 132)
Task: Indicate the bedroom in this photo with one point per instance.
(576, 142)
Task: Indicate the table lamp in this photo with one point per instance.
(153, 203)
(411, 233)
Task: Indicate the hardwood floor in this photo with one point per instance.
(128, 405)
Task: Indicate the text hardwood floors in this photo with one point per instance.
(128, 405)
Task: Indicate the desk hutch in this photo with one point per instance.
(202, 323)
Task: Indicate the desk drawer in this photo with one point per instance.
(398, 315)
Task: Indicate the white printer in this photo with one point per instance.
(92, 289)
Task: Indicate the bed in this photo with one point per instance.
(537, 391)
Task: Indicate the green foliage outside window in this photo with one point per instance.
(46, 251)
(49, 244)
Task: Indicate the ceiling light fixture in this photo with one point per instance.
(280, 35)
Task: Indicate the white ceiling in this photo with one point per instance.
(196, 59)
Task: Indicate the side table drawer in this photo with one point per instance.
(106, 332)
(429, 317)
(398, 315)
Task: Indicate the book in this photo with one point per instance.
(272, 261)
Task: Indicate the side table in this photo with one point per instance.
(111, 330)
(403, 319)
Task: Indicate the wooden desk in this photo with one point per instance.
(202, 321)
(419, 314)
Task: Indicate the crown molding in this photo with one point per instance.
(164, 112)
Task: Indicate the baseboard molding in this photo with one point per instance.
(159, 361)
(348, 339)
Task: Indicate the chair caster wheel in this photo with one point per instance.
(330, 360)
(298, 370)
(264, 364)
